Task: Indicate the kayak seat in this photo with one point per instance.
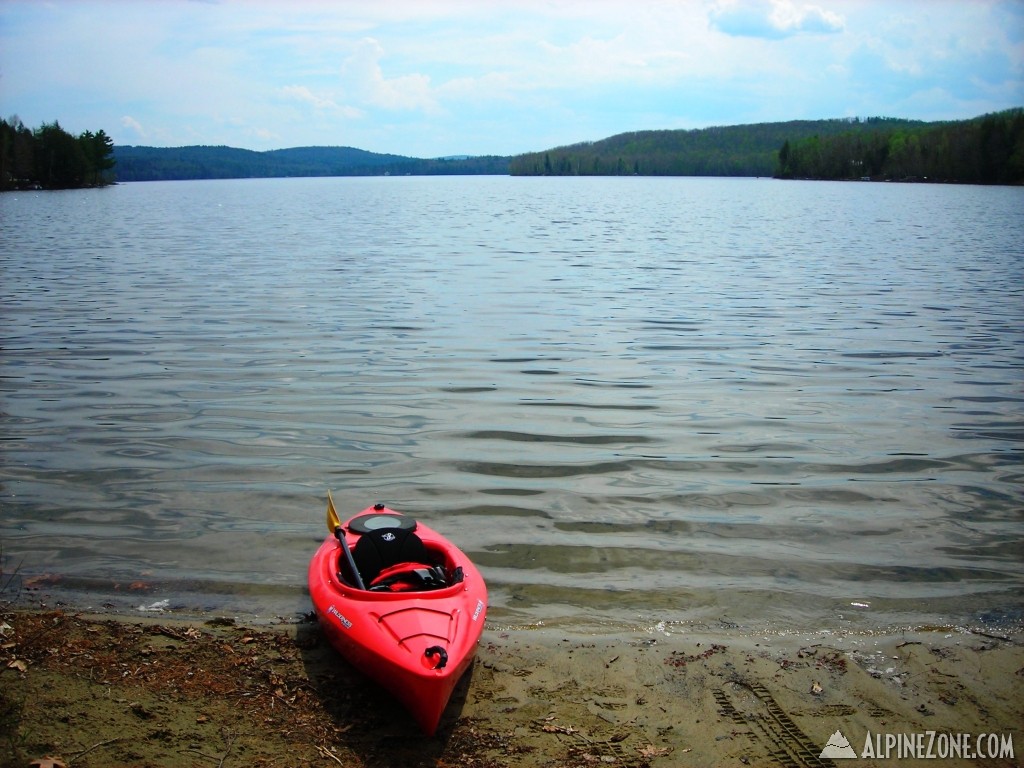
(382, 548)
(409, 577)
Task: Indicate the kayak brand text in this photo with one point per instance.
(344, 622)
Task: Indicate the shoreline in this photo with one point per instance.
(160, 690)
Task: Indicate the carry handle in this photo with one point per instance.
(437, 650)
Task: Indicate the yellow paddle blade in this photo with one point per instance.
(333, 521)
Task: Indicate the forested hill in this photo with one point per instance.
(985, 150)
(737, 150)
(201, 162)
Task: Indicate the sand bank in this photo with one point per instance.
(101, 691)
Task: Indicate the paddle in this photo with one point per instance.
(334, 525)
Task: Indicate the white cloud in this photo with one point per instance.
(304, 95)
(774, 19)
(790, 18)
(265, 135)
(363, 81)
(133, 125)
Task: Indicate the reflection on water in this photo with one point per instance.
(630, 400)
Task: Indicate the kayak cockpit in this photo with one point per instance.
(391, 557)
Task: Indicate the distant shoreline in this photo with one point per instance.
(880, 149)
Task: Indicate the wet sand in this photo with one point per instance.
(126, 691)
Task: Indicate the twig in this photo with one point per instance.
(228, 749)
(327, 753)
(7, 578)
(990, 636)
(282, 700)
(222, 758)
(84, 752)
(202, 754)
(169, 632)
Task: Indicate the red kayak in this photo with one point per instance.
(402, 603)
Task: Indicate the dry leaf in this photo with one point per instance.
(566, 729)
(652, 751)
(19, 664)
(816, 688)
(48, 762)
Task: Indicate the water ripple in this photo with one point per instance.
(627, 399)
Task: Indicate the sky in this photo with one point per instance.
(434, 78)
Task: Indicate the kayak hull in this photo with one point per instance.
(415, 644)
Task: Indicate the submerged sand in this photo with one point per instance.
(91, 691)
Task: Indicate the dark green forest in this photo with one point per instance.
(738, 150)
(51, 158)
(202, 162)
(986, 150)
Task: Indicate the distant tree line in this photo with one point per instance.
(51, 158)
(204, 162)
(739, 150)
(986, 150)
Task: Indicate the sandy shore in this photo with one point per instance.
(101, 691)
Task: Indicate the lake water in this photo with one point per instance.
(633, 402)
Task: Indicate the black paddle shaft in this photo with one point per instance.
(340, 533)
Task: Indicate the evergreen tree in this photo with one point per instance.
(52, 158)
(99, 155)
(59, 158)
